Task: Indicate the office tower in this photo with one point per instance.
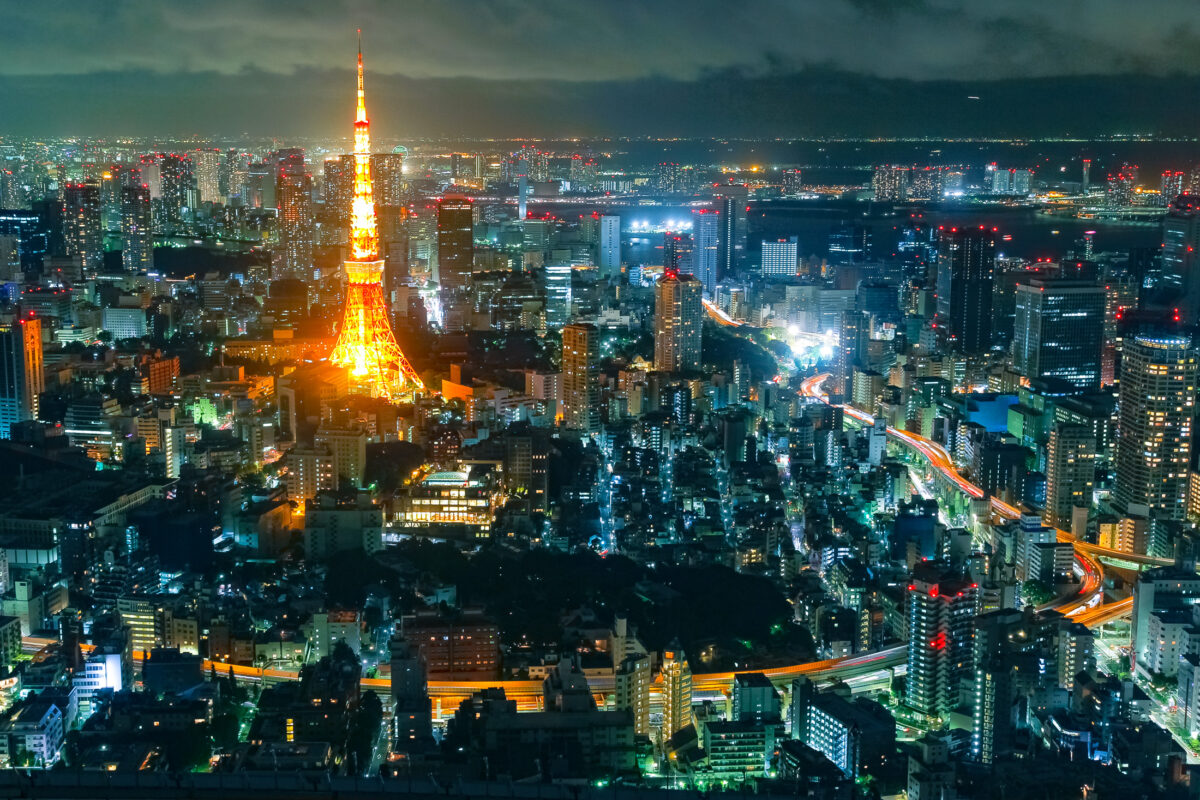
(706, 247)
(21, 375)
(1172, 187)
(366, 345)
(610, 245)
(731, 204)
(1181, 254)
(558, 276)
(82, 231)
(632, 690)
(1059, 330)
(1154, 430)
(1086, 183)
(387, 173)
(580, 378)
(965, 279)
(1070, 473)
(206, 166)
(854, 333)
(941, 608)
(849, 243)
(793, 183)
(231, 176)
(677, 323)
(175, 172)
(676, 694)
(455, 242)
(137, 234)
(338, 192)
(1121, 186)
(293, 194)
(780, 257)
(890, 184)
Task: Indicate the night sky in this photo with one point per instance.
(607, 67)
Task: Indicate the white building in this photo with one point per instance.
(780, 257)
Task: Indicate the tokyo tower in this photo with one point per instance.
(366, 345)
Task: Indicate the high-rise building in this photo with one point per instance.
(338, 191)
(610, 245)
(387, 172)
(676, 694)
(455, 242)
(1086, 181)
(668, 178)
(1022, 182)
(1070, 473)
(1154, 430)
(1181, 255)
(706, 247)
(1059, 330)
(293, 193)
(22, 379)
(853, 336)
(412, 711)
(632, 690)
(1017, 656)
(82, 230)
(941, 609)
(780, 257)
(678, 323)
(1172, 187)
(1121, 186)
(890, 184)
(731, 204)
(677, 251)
(965, 280)
(793, 183)
(175, 174)
(137, 233)
(580, 378)
(558, 276)
(206, 166)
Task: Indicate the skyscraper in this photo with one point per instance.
(293, 194)
(137, 235)
(1059, 330)
(780, 257)
(338, 191)
(890, 184)
(793, 182)
(965, 279)
(731, 205)
(677, 323)
(1172, 187)
(610, 245)
(206, 166)
(580, 377)
(706, 246)
(21, 375)
(82, 230)
(1154, 430)
(1181, 255)
(175, 172)
(1070, 473)
(455, 242)
(387, 171)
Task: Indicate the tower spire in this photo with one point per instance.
(364, 239)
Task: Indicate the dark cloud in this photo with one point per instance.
(562, 66)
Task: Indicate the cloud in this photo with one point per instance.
(613, 40)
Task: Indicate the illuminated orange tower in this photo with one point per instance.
(366, 345)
